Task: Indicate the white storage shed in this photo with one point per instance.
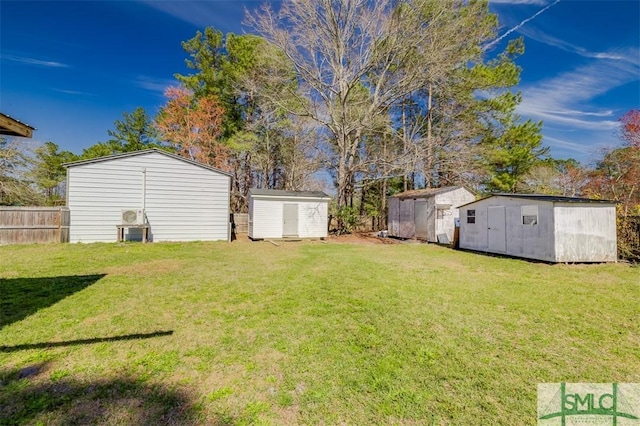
(176, 198)
(541, 227)
(427, 214)
(287, 214)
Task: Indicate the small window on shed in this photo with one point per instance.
(529, 215)
(471, 216)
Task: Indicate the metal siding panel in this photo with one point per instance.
(420, 209)
(406, 219)
(585, 233)
(496, 225)
(184, 202)
(393, 217)
(473, 236)
(532, 242)
(193, 206)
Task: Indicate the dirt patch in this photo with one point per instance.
(362, 238)
(355, 238)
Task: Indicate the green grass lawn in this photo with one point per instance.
(302, 333)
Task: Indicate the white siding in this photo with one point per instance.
(312, 219)
(183, 201)
(455, 198)
(249, 218)
(585, 233)
(265, 217)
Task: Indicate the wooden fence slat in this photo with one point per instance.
(23, 225)
(242, 222)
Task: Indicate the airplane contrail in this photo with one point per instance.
(538, 13)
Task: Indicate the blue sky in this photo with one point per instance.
(71, 69)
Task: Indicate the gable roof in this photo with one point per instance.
(545, 197)
(144, 152)
(426, 193)
(12, 127)
(282, 193)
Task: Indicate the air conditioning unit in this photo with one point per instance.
(133, 216)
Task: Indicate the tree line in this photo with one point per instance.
(368, 98)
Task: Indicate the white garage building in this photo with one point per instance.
(287, 214)
(541, 227)
(176, 199)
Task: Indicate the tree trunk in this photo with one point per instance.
(429, 163)
(384, 198)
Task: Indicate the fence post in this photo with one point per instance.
(59, 224)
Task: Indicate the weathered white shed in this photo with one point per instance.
(541, 227)
(287, 214)
(180, 199)
(427, 214)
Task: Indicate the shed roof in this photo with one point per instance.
(425, 193)
(12, 127)
(282, 193)
(143, 152)
(545, 197)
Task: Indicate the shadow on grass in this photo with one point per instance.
(44, 345)
(65, 401)
(22, 297)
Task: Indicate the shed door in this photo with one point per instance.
(290, 220)
(420, 218)
(496, 223)
(441, 227)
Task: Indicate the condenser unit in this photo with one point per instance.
(133, 216)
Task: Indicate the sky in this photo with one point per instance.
(71, 68)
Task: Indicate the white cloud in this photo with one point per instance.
(199, 13)
(536, 2)
(565, 100)
(627, 55)
(72, 92)
(584, 151)
(566, 145)
(153, 84)
(605, 113)
(34, 61)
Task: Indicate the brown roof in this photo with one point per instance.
(425, 193)
(12, 127)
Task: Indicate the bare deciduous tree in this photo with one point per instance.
(355, 59)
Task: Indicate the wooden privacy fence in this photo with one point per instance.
(22, 225)
(242, 222)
